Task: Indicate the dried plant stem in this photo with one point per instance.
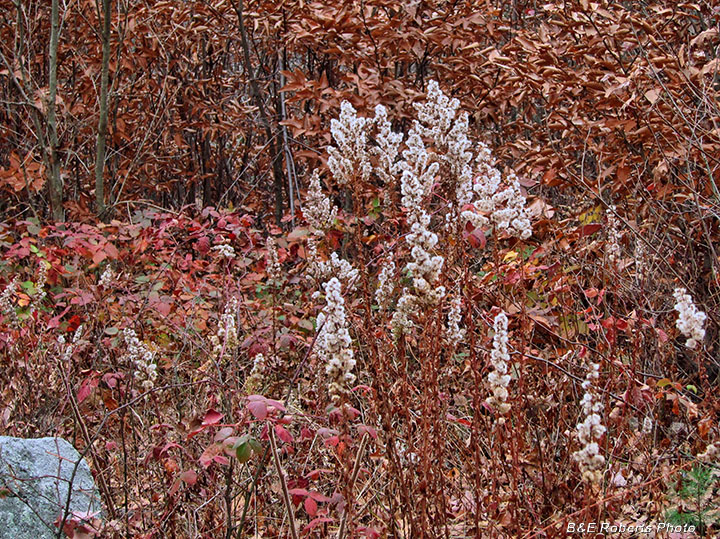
(353, 478)
(283, 483)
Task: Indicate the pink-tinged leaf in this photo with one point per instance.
(189, 477)
(202, 245)
(332, 441)
(195, 427)
(111, 251)
(318, 497)
(86, 388)
(326, 432)
(525, 181)
(209, 454)
(223, 433)
(306, 434)
(99, 256)
(283, 434)
(164, 449)
(297, 234)
(54, 322)
(316, 522)
(111, 379)
(366, 429)
(256, 398)
(163, 308)
(476, 238)
(174, 488)
(316, 473)
(299, 492)
(370, 533)
(84, 298)
(275, 404)
(365, 389)
(311, 507)
(662, 336)
(212, 417)
(213, 454)
(258, 409)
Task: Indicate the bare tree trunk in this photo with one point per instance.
(55, 184)
(103, 120)
(272, 140)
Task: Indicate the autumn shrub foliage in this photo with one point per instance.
(422, 361)
(369, 270)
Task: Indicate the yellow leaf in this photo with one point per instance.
(591, 216)
(510, 256)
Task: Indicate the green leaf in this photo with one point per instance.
(34, 249)
(692, 388)
(33, 226)
(111, 331)
(243, 452)
(663, 382)
(256, 446)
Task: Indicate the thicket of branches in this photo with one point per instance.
(334, 378)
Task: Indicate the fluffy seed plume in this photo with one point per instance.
(691, 320)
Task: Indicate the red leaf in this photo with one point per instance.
(99, 256)
(86, 388)
(477, 239)
(211, 417)
(316, 473)
(590, 229)
(174, 488)
(318, 497)
(283, 434)
(209, 454)
(258, 409)
(311, 506)
(163, 308)
(74, 323)
(212, 454)
(202, 245)
(189, 477)
(275, 404)
(299, 492)
(55, 321)
(316, 522)
(223, 433)
(111, 251)
(332, 441)
(363, 429)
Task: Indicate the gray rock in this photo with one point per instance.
(35, 476)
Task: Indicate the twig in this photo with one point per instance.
(283, 483)
(353, 478)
